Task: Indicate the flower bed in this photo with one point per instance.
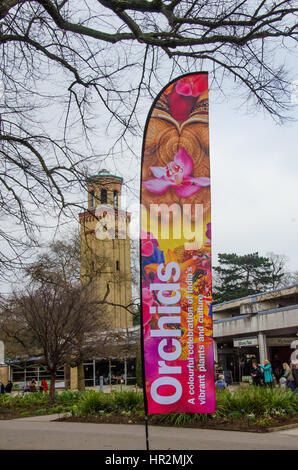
(254, 409)
(31, 404)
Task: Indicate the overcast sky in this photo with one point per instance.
(254, 184)
(254, 180)
(254, 169)
(254, 165)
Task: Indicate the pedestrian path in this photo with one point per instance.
(42, 433)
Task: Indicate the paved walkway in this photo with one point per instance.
(42, 433)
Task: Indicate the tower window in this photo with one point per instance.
(104, 196)
(117, 266)
(115, 198)
(92, 198)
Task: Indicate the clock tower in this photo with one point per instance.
(105, 247)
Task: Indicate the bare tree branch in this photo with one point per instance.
(74, 72)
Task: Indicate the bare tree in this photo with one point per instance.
(278, 266)
(290, 278)
(58, 318)
(69, 68)
(60, 263)
(59, 315)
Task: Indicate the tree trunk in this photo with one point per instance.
(139, 370)
(52, 388)
(81, 377)
(67, 376)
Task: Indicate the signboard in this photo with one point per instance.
(245, 342)
(176, 251)
(280, 341)
(253, 341)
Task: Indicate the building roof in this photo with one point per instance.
(272, 294)
(105, 173)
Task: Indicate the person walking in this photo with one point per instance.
(267, 370)
(288, 375)
(2, 388)
(221, 383)
(256, 374)
(9, 386)
(32, 386)
(44, 385)
(294, 367)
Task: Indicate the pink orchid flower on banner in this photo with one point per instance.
(176, 175)
(192, 86)
(183, 96)
(208, 232)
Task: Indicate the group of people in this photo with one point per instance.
(35, 387)
(263, 375)
(7, 388)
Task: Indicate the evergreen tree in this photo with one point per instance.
(239, 276)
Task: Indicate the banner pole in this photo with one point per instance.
(142, 347)
(146, 431)
(143, 367)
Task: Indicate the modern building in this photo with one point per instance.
(257, 327)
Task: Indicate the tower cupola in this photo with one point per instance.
(104, 188)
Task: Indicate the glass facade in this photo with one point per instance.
(113, 372)
(23, 373)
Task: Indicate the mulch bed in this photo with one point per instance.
(222, 424)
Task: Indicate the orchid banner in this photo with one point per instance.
(176, 251)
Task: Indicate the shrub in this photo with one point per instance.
(255, 400)
(126, 401)
(34, 398)
(41, 411)
(57, 409)
(68, 397)
(92, 402)
(98, 402)
(74, 410)
(180, 419)
(258, 401)
(235, 415)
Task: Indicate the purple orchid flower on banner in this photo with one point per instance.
(177, 176)
(208, 232)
